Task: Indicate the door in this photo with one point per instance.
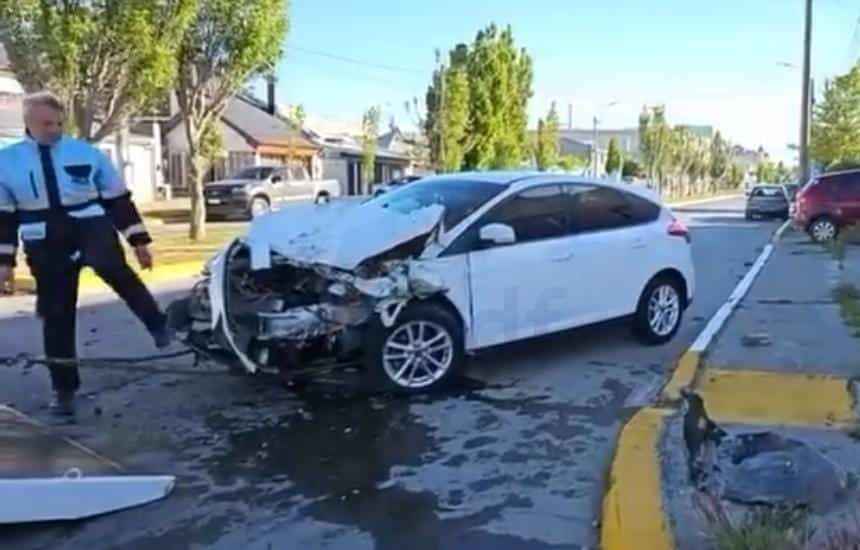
(526, 288)
(847, 196)
(615, 238)
(299, 186)
(276, 187)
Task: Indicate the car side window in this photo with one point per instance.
(535, 214)
(297, 173)
(596, 208)
(279, 176)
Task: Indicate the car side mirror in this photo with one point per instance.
(498, 234)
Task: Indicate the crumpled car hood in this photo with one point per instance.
(341, 234)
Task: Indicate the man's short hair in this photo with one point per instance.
(44, 99)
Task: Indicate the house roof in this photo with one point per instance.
(249, 117)
(345, 147)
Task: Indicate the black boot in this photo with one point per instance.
(63, 404)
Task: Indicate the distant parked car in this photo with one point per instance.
(767, 201)
(828, 203)
(394, 184)
(252, 191)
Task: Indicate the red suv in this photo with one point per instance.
(827, 203)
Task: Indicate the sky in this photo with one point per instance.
(717, 63)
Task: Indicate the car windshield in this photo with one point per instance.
(253, 173)
(460, 198)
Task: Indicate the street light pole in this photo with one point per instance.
(805, 111)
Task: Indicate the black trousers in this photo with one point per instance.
(56, 262)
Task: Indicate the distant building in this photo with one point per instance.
(252, 132)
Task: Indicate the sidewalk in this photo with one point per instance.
(786, 362)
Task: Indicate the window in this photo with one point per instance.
(298, 173)
(842, 184)
(767, 192)
(598, 208)
(460, 198)
(253, 173)
(535, 214)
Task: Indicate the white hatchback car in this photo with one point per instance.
(410, 282)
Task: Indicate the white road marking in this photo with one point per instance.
(722, 315)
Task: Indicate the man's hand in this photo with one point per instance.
(144, 256)
(7, 279)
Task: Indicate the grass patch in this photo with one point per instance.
(848, 297)
(761, 529)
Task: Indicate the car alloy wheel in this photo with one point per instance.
(823, 230)
(664, 310)
(417, 354)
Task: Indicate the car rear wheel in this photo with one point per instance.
(823, 230)
(660, 310)
(258, 207)
(422, 351)
(323, 198)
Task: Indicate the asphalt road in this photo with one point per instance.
(514, 456)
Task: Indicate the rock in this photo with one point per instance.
(756, 340)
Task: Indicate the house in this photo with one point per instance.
(252, 132)
(411, 144)
(342, 159)
(139, 145)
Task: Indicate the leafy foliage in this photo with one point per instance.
(369, 135)
(614, 160)
(477, 104)
(228, 44)
(107, 61)
(546, 147)
(570, 162)
(836, 121)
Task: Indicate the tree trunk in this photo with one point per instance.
(197, 226)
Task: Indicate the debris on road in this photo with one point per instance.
(757, 467)
(756, 340)
(45, 477)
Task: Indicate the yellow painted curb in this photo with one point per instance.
(633, 515)
(683, 376)
(89, 281)
(761, 397)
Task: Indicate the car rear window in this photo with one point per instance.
(767, 192)
(598, 208)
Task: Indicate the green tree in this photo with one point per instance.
(631, 169)
(655, 143)
(735, 176)
(766, 171)
(228, 44)
(495, 80)
(546, 147)
(783, 174)
(570, 162)
(720, 164)
(369, 145)
(836, 121)
(614, 159)
(107, 61)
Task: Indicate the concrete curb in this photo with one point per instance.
(632, 512)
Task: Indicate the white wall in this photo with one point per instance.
(142, 161)
(335, 169)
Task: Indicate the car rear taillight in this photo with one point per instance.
(678, 229)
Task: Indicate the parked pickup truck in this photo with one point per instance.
(254, 190)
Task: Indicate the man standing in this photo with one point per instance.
(68, 202)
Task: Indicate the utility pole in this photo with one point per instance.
(805, 111)
(594, 148)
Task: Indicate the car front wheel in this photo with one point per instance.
(422, 350)
(661, 307)
(258, 207)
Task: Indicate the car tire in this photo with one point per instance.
(322, 198)
(424, 331)
(258, 206)
(663, 293)
(749, 217)
(823, 229)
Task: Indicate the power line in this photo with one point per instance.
(353, 61)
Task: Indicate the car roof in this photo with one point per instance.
(523, 179)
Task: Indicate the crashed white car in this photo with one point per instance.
(409, 282)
